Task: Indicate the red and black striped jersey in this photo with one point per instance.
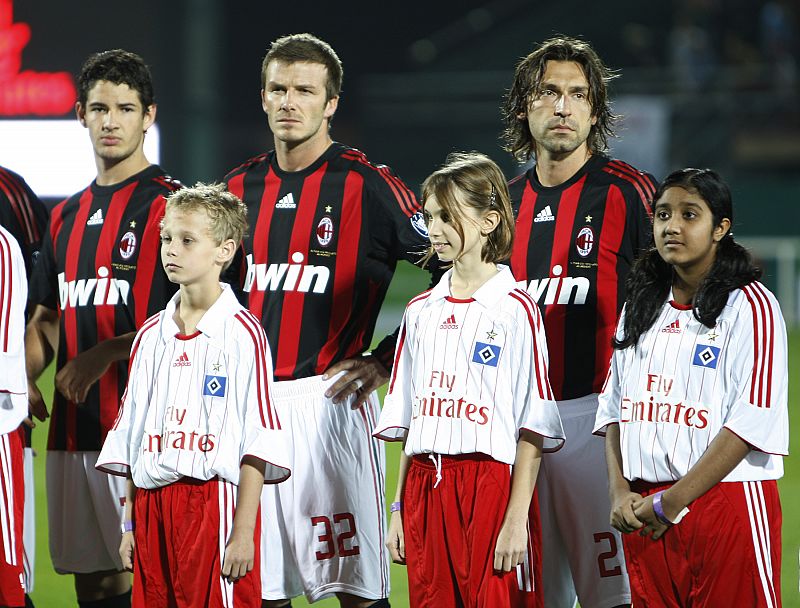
(322, 249)
(22, 214)
(100, 268)
(574, 247)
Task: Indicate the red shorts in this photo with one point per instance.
(12, 512)
(181, 532)
(725, 552)
(450, 535)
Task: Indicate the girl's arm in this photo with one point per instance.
(725, 452)
(512, 541)
(395, 540)
(127, 545)
(240, 550)
(621, 498)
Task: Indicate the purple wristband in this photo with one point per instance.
(659, 510)
(396, 506)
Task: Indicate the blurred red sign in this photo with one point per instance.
(25, 92)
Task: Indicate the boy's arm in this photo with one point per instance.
(240, 550)
(512, 541)
(128, 543)
(79, 374)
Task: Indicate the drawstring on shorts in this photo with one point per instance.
(437, 462)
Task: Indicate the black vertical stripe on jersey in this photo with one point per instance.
(578, 341)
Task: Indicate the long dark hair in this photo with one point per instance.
(650, 279)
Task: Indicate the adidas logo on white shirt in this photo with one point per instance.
(96, 219)
(182, 361)
(545, 215)
(287, 202)
(449, 323)
(672, 328)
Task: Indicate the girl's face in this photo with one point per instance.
(684, 230)
(444, 237)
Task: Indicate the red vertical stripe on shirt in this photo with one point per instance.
(611, 235)
(70, 334)
(20, 205)
(555, 314)
(6, 290)
(294, 301)
(148, 262)
(105, 315)
(522, 234)
(344, 273)
(769, 334)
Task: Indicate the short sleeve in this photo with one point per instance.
(262, 436)
(115, 456)
(395, 418)
(13, 295)
(43, 285)
(758, 412)
(537, 410)
(611, 395)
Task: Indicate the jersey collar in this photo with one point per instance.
(488, 295)
(213, 321)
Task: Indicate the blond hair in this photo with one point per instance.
(227, 214)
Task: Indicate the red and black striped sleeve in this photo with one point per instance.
(22, 214)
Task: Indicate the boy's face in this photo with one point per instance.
(189, 253)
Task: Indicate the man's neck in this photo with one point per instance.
(297, 157)
(554, 170)
(110, 173)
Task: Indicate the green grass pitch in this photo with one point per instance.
(52, 590)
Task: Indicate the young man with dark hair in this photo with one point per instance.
(328, 228)
(97, 279)
(582, 218)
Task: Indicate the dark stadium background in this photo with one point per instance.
(425, 78)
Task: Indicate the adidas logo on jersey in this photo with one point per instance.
(449, 323)
(545, 215)
(287, 202)
(96, 219)
(672, 328)
(182, 361)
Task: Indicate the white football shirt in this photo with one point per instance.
(683, 382)
(13, 296)
(469, 374)
(196, 405)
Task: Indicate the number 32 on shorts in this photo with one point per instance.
(336, 535)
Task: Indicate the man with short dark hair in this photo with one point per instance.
(582, 218)
(327, 230)
(97, 279)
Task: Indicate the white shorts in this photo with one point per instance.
(29, 522)
(580, 549)
(84, 509)
(323, 530)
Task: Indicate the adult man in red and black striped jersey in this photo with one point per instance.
(327, 229)
(582, 218)
(22, 214)
(98, 277)
(25, 217)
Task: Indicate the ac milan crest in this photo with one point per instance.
(127, 245)
(585, 241)
(325, 231)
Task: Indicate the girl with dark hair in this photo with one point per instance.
(694, 410)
